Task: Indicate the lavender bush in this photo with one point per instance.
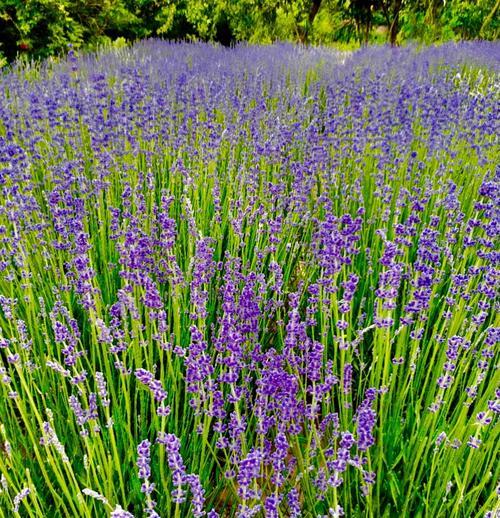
(251, 282)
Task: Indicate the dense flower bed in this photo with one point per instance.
(250, 282)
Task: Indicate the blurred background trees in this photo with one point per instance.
(39, 28)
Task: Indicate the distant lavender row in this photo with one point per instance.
(251, 282)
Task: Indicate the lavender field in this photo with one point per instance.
(251, 282)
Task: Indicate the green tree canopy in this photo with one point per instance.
(39, 28)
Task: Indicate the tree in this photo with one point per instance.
(487, 22)
(311, 9)
(39, 28)
(362, 13)
(44, 27)
(392, 10)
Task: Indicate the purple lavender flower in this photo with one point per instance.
(248, 470)
(101, 389)
(293, 503)
(198, 495)
(143, 461)
(347, 378)
(119, 512)
(155, 386)
(19, 497)
(176, 465)
(365, 421)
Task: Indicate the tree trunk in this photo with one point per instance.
(316, 4)
(391, 12)
(362, 14)
(303, 32)
(367, 32)
(393, 30)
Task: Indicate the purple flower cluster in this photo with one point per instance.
(147, 487)
(155, 386)
(181, 478)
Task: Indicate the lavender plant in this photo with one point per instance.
(250, 282)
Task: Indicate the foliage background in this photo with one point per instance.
(40, 28)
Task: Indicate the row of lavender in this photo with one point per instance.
(250, 282)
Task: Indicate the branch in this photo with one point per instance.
(488, 18)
